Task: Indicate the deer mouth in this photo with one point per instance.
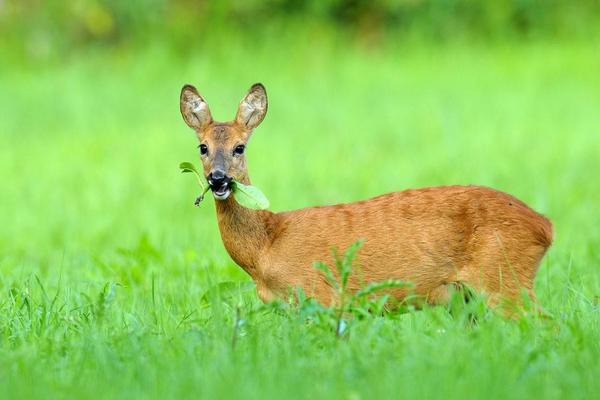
(222, 192)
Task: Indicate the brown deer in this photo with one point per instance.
(436, 238)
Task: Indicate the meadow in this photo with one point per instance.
(112, 285)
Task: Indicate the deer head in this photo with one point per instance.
(223, 144)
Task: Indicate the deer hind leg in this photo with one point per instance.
(443, 294)
(506, 279)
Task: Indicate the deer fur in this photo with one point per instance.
(435, 238)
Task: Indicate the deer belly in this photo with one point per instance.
(376, 261)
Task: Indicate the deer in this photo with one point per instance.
(435, 238)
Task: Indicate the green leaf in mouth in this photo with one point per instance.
(249, 196)
(246, 196)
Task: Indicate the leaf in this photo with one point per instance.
(321, 266)
(249, 196)
(348, 260)
(189, 167)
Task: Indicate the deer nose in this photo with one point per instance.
(217, 178)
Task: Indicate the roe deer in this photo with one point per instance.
(435, 237)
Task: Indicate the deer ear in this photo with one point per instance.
(253, 107)
(194, 108)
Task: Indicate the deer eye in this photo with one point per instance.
(239, 150)
(203, 149)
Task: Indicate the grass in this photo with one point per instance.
(112, 285)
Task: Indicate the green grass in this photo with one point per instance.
(105, 265)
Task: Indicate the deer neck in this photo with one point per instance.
(245, 232)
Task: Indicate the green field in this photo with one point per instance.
(108, 273)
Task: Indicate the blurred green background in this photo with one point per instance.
(53, 28)
(105, 263)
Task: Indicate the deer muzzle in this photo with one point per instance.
(220, 184)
